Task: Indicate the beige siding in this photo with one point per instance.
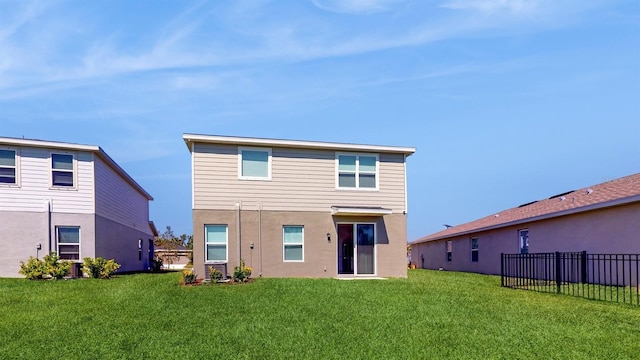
(118, 201)
(35, 184)
(302, 180)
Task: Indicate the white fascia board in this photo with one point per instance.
(233, 140)
(358, 211)
(48, 144)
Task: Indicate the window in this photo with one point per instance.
(62, 170)
(524, 241)
(293, 243)
(449, 250)
(68, 242)
(474, 250)
(8, 167)
(357, 171)
(215, 243)
(254, 163)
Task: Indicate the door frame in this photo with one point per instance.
(354, 224)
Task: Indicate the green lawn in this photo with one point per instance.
(430, 315)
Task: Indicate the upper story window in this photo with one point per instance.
(254, 163)
(62, 170)
(357, 171)
(8, 167)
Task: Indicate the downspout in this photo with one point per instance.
(239, 230)
(47, 209)
(260, 235)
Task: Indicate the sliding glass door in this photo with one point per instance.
(356, 257)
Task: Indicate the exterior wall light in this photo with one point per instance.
(329, 237)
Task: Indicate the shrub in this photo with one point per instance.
(215, 274)
(99, 268)
(189, 277)
(50, 267)
(242, 273)
(34, 269)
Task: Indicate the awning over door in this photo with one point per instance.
(360, 211)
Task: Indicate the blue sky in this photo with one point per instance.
(507, 101)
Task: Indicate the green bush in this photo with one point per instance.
(34, 269)
(189, 277)
(214, 274)
(50, 267)
(241, 273)
(99, 268)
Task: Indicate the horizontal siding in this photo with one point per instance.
(302, 180)
(35, 185)
(118, 201)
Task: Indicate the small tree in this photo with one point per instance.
(168, 242)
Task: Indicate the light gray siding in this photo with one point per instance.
(35, 184)
(118, 201)
(302, 180)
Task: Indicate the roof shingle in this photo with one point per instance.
(613, 191)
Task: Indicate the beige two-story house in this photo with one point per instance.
(71, 199)
(293, 208)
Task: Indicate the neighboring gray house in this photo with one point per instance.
(600, 219)
(298, 208)
(72, 199)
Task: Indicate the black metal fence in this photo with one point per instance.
(607, 277)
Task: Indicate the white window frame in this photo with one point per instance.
(206, 253)
(16, 167)
(261, 149)
(74, 171)
(357, 171)
(476, 250)
(79, 243)
(449, 250)
(520, 248)
(296, 244)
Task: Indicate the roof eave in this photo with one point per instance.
(597, 206)
(234, 140)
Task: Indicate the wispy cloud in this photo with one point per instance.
(356, 6)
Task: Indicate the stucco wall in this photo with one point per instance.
(119, 242)
(20, 231)
(606, 231)
(320, 255)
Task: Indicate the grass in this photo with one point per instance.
(430, 315)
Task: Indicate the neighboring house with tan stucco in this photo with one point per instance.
(293, 208)
(72, 199)
(600, 219)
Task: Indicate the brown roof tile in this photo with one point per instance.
(570, 202)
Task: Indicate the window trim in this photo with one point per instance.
(520, 248)
(16, 166)
(449, 250)
(74, 171)
(285, 244)
(79, 243)
(206, 242)
(357, 171)
(269, 160)
(476, 250)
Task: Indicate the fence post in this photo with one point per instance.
(558, 272)
(583, 267)
(502, 269)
